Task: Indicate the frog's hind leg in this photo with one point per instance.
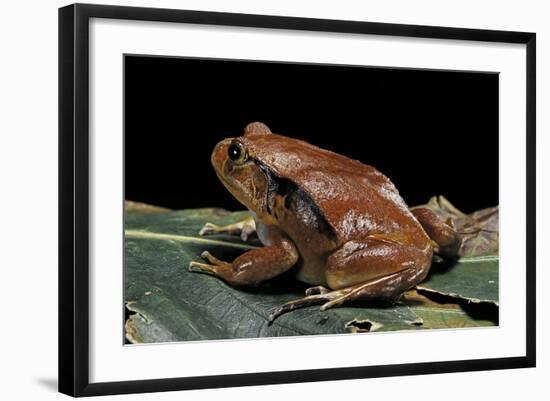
(328, 298)
(447, 240)
(245, 228)
(367, 270)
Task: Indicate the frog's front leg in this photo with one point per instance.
(374, 268)
(255, 266)
(245, 228)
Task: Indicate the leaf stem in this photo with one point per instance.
(183, 238)
(474, 259)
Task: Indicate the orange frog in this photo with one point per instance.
(335, 223)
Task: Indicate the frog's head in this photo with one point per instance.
(237, 167)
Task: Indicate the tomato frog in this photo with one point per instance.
(333, 222)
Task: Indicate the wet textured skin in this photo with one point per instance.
(333, 221)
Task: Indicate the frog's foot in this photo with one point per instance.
(254, 266)
(445, 238)
(384, 287)
(314, 296)
(212, 268)
(244, 228)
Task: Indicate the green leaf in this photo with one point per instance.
(169, 303)
(473, 279)
(143, 208)
(173, 304)
(445, 312)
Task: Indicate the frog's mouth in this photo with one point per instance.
(226, 183)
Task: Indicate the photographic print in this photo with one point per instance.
(290, 197)
(269, 199)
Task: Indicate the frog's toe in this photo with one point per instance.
(245, 228)
(247, 233)
(214, 267)
(306, 301)
(201, 268)
(319, 289)
(334, 302)
(212, 259)
(291, 305)
(209, 228)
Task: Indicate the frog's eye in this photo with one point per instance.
(237, 152)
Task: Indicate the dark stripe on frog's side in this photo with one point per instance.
(272, 185)
(296, 201)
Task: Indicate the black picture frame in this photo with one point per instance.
(74, 198)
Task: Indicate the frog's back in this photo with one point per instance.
(355, 199)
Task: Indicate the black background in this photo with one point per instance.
(430, 132)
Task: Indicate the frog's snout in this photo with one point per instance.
(219, 155)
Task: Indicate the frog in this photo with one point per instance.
(334, 223)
